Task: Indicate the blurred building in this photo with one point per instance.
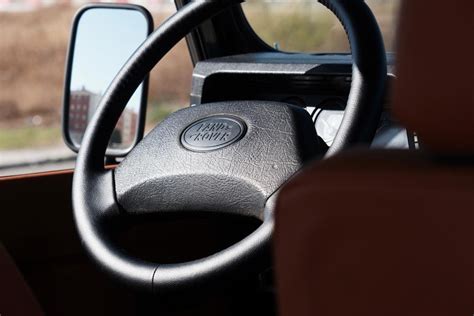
(82, 106)
(126, 129)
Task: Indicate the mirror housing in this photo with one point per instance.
(103, 37)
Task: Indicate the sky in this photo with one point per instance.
(105, 40)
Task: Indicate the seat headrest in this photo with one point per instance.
(434, 92)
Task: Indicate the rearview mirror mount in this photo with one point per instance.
(103, 37)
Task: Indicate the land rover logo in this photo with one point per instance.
(212, 133)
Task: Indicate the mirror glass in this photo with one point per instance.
(104, 39)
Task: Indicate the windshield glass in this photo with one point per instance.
(33, 47)
(307, 26)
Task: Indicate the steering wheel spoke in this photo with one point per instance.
(95, 192)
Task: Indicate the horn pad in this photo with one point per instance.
(225, 157)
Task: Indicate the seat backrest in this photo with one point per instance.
(434, 93)
(392, 232)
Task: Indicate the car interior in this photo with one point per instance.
(248, 201)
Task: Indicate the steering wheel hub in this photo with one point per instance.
(161, 175)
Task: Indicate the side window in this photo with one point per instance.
(307, 26)
(35, 36)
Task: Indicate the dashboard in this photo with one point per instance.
(318, 83)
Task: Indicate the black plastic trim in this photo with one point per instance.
(228, 33)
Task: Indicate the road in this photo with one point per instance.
(14, 162)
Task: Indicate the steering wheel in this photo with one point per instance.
(221, 157)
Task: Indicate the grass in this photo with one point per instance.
(37, 136)
(29, 137)
(157, 112)
(306, 26)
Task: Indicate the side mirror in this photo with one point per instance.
(102, 39)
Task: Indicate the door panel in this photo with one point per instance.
(37, 228)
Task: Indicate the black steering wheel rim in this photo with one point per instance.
(94, 197)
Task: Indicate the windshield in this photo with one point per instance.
(307, 26)
(33, 47)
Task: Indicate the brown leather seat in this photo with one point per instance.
(16, 298)
(392, 232)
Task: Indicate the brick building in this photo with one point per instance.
(82, 105)
(125, 130)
